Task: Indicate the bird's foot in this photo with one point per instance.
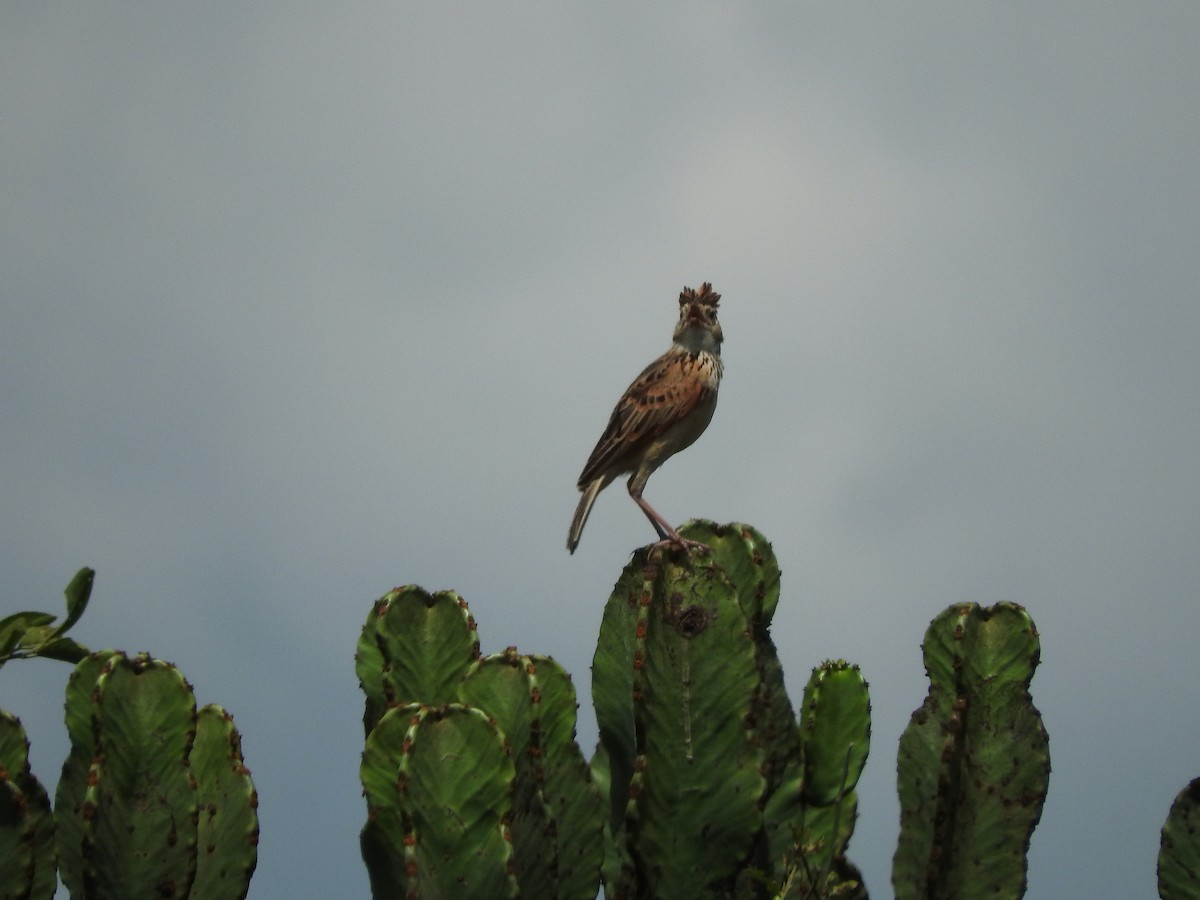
(677, 542)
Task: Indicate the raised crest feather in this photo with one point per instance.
(705, 295)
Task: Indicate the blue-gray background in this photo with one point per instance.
(303, 301)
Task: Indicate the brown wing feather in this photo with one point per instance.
(665, 392)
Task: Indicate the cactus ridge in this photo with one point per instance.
(557, 810)
(572, 795)
(748, 561)
(612, 689)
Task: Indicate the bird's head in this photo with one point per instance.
(698, 328)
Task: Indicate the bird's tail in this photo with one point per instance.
(590, 493)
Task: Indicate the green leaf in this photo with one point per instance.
(64, 649)
(14, 747)
(14, 628)
(78, 592)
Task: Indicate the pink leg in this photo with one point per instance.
(670, 537)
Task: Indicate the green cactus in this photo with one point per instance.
(415, 648)
(439, 788)
(227, 836)
(704, 761)
(421, 650)
(574, 797)
(557, 812)
(140, 808)
(810, 818)
(746, 558)
(836, 731)
(1179, 854)
(26, 825)
(154, 799)
(501, 685)
(674, 682)
(974, 761)
(69, 814)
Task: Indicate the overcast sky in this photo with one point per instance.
(299, 304)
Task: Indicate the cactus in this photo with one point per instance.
(1179, 855)
(26, 826)
(419, 665)
(69, 814)
(574, 797)
(557, 814)
(439, 785)
(746, 558)
(227, 836)
(139, 836)
(974, 761)
(415, 648)
(702, 756)
(154, 799)
(693, 800)
(810, 818)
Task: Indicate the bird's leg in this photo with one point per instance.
(670, 537)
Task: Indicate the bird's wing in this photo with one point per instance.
(664, 394)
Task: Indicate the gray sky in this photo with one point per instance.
(301, 304)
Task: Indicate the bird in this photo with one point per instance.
(664, 411)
